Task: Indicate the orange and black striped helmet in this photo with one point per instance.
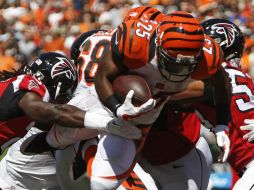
(149, 13)
(180, 39)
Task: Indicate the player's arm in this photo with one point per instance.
(106, 73)
(47, 113)
(108, 70)
(67, 115)
(196, 91)
(221, 95)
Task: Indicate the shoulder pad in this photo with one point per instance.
(131, 43)
(212, 57)
(29, 83)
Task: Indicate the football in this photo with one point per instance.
(124, 83)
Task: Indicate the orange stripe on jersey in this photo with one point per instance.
(89, 157)
(130, 44)
(211, 60)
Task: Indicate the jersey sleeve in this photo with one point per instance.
(131, 43)
(211, 60)
(31, 84)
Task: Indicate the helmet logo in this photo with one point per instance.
(63, 67)
(228, 30)
(32, 85)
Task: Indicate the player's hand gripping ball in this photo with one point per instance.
(124, 83)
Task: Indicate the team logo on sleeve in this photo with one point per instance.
(228, 31)
(63, 67)
(32, 84)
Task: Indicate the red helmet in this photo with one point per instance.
(149, 13)
(180, 39)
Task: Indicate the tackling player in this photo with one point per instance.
(51, 77)
(241, 155)
(231, 39)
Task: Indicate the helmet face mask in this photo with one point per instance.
(57, 73)
(176, 69)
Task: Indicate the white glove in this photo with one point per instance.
(97, 121)
(223, 141)
(127, 111)
(250, 127)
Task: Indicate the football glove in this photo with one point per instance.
(223, 141)
(127, 111)
(250, 127)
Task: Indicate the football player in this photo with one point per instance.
(169, 56)
(67, 158)
(26, 98)
(231, 39)
(176, 125)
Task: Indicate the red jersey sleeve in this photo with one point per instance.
(211, 60)
(132, 43)
(30, 83)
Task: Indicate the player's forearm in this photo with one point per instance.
(194, 90)
(105, 76)
(48, 113)
(222, 97)
(68, 116)
(103, 88)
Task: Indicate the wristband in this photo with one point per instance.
(112, 103)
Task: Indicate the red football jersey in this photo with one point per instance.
(174, 134)
(13, 121)
(241, 107)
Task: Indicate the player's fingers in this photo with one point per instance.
(129, 96)
(251, 139)
(220, 141)
(249, 121)
(248, 135)
(226, 151)
(148, 105)
(246, 127)
(220, 157)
